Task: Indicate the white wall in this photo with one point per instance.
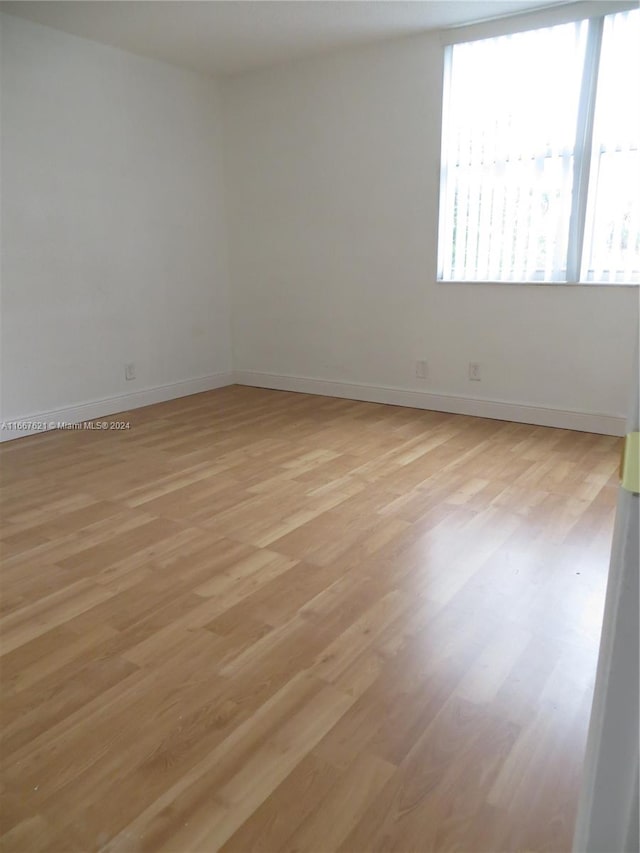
(334, 165)
(113, 231)
(114, 242)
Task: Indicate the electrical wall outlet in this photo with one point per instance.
(474, 371)
(129, 371)
(422, 369)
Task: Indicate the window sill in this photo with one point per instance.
(540, 283)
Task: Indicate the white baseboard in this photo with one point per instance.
(495, 409)
(43, 421)
(498, 410)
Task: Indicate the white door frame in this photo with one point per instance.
(608, 811)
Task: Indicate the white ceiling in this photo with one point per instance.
(230, 36)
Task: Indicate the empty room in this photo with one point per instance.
(320, 447)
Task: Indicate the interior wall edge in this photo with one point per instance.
(594, 422)
(90, 410)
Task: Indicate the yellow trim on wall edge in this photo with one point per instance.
(630, 463)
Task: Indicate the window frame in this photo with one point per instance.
(594, 13)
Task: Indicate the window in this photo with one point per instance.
(540, 155)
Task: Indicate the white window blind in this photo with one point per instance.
(518, 123)
(612, 233)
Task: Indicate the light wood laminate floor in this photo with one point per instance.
(258, 620)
